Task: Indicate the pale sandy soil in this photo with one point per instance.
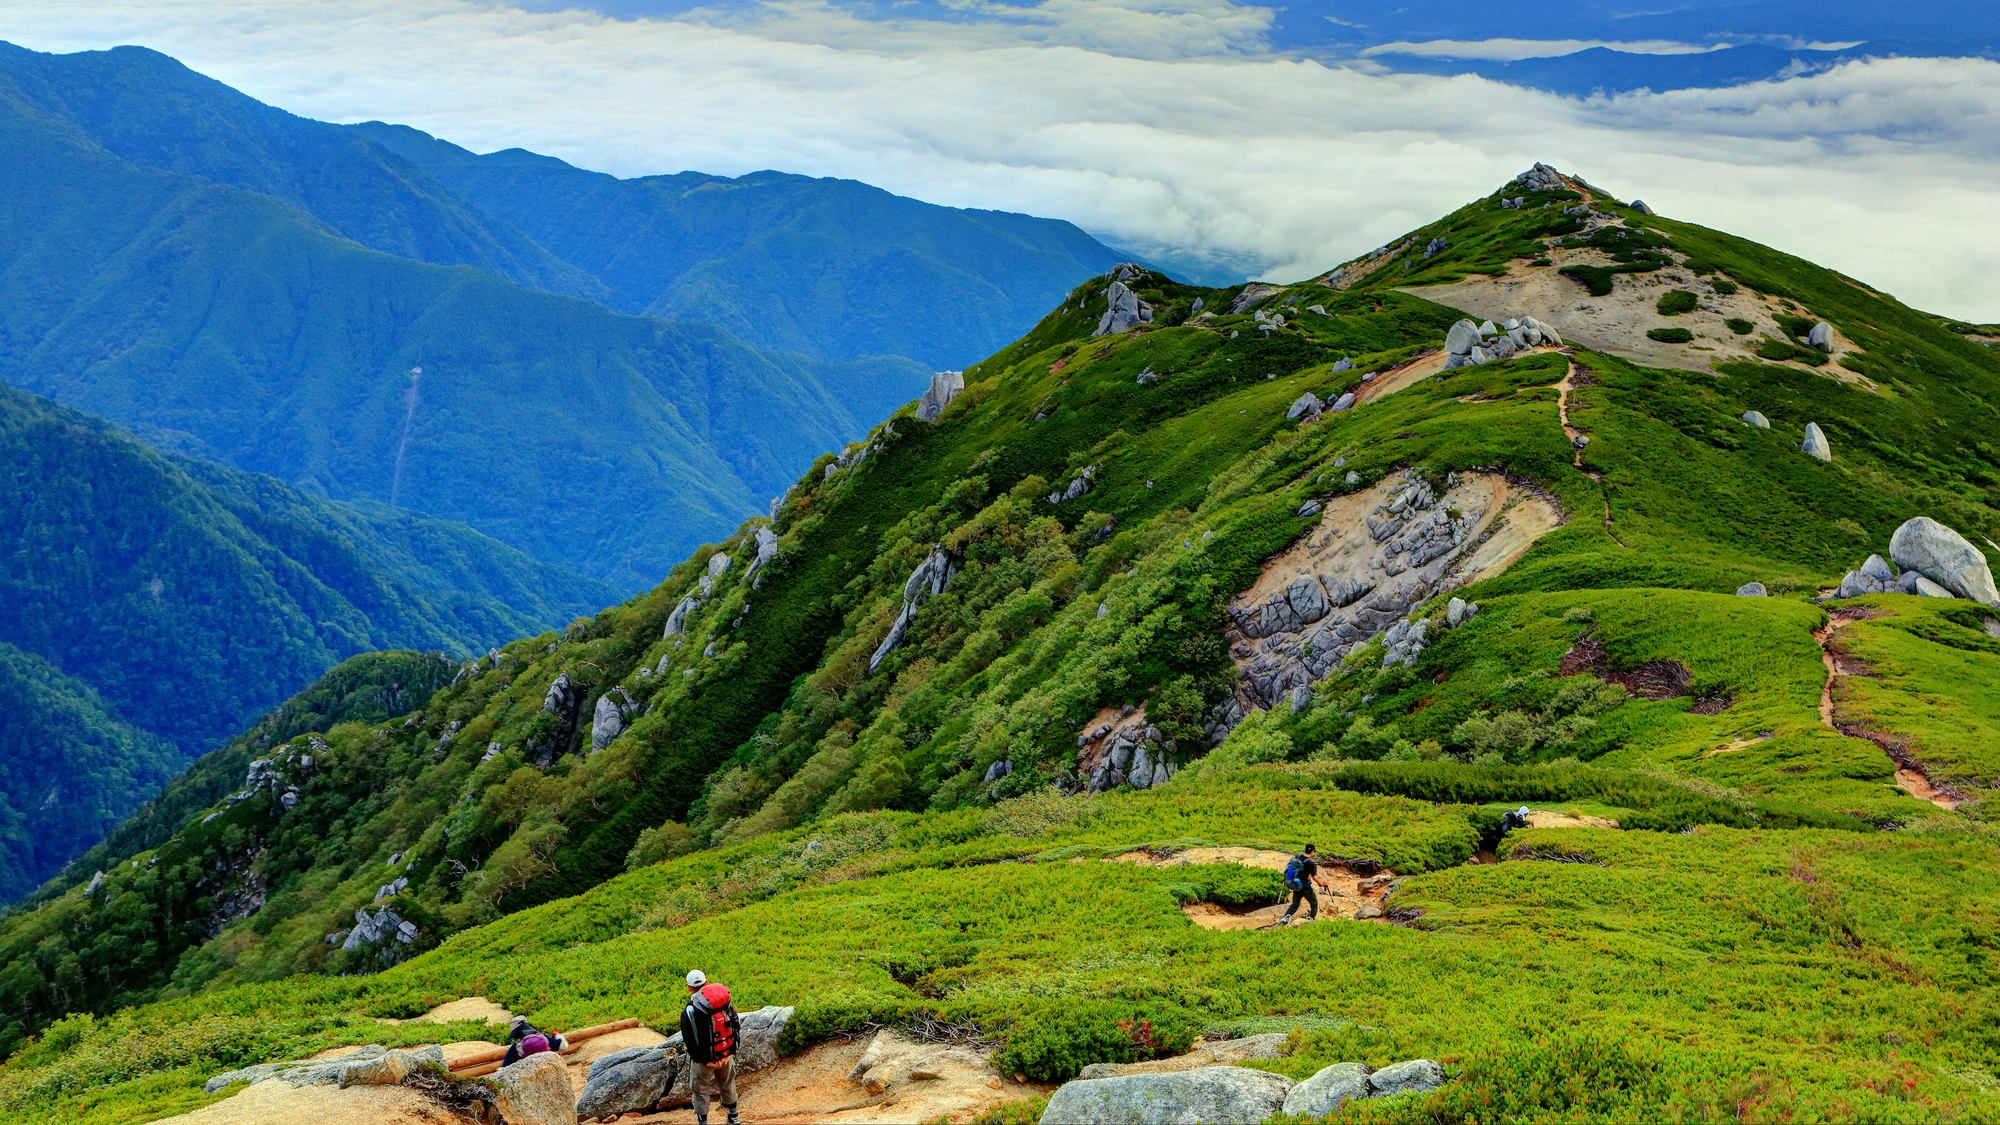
(1565, 820)
(275, 1103)
(1348, 894)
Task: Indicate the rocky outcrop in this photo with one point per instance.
(1252, 293)
(1541, 178)
(1325, 1091)
(945, 386)
(1119, 747)
(1468, 344)
(614, 707)
(365, 1066)
(1945, 557)
(1077, 487)
(633, 1080)
(926, 582)
(564, 700)
(1206, 1095)
(1125, 311)
(388, 933)
(767, 549)
(536, 1091)
(677, 620)
(1815, 444)
(1373, 556)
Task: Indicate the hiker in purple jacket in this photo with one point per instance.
(524, 1039)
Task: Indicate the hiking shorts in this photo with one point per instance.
(1303, 893)
(718, 1083)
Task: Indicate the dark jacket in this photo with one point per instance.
(556, 1043)
(698, 1029)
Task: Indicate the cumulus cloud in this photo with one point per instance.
(1155, 123)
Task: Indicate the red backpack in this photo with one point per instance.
(716, 998)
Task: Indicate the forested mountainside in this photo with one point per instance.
(153, 606)
(1180, 573)
(230, 324)
(824, 267)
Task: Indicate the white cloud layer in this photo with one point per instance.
(1509, 50)
(1158, 123)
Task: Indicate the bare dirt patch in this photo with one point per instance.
(1911, 775)
(275, 1103)
(464, 1008)
(1568, 820)
(1357, 889)
(1653, 679)
(1618, 322)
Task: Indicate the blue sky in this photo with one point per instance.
(1280, 140)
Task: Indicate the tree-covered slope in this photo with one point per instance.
(825, 267)
(858, 758)
(168, 602)
(229, 324)
(147, 108)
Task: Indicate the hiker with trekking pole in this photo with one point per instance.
(1300, 874)
(709, 1027)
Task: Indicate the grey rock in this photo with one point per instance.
(1344, 402)
(1147, 378)
(536, 1091)
(608, 722)
(1757, 419)
(1461, 337)
(1503, 348)
(1309, 508)
(945, 386)
(717, 563)
(96, 881)
(1325, 1091)
(1854, 584)
(1125, 312)
(677, 620)
(630, 1080)
(1752, 590)
(1317, 309)
(998, 770)
(767, 549)
(1414, 1076)
(927, 581)
(1352, 477)
(1930, 589)
(1343, 364)
(1815, 444)
(1944, 556)
(1480, 355)
(1307, 403)
(1302, 697)
(1486, 328)
(1877, 567)
(392, 1067)
(1455, 612)
(1206, 1095)
(757, 1042)
(1821, 337)
(1639, 205)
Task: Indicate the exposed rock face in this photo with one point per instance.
(1374, 555)
(1252, 293)
(1077, 487)
(767, 549)
(613, 708)
(564, 700)
(717, 563)
(1208, 1095)
(1541, 178)
(536, 1091)
(365, 1066)
(629, 1081)
(926, 582)
(1325, 1091)
(1942, 555)
(1414, 1076)
(1119, 747)
(1125, 313)
(1815, 444)
(677, 620)
(944, 387)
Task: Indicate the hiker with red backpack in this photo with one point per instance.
(709, 1027)
(524, 1039)
(1300, 874)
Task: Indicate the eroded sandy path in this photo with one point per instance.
(1910, 776)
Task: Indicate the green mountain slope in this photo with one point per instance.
(70, 768)
(190, 598)
(147, 108)
(229, 325)
(1132, 595)
(824, 267)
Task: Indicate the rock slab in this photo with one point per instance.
(536, 1091)
(1324, 1092)
(1209, 1095)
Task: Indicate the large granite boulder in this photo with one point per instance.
(1413, 1077)
(1324, 1092)
(1942, 555)
(944, 387)
(1815, 444)
(1210, 1095)
(1752, 590)
(757, 1040)
(1124, 313)
(1461, 338)
(536, 1091)
(1307, 403)
(630, 1080)
(1757, 419)
(1821, 337)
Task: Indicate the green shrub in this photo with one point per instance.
(1739, 326)
(1800, 326)
(1677, 301)
(1725, 286)
(1052, 1044)
(1669, 335)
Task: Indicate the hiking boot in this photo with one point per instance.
(733, 1119)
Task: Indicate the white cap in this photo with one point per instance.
(696, 978)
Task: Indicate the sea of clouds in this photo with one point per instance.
(1163, 125)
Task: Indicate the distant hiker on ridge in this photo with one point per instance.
(524, 1039)
(709, 1027)
(1300, 874)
